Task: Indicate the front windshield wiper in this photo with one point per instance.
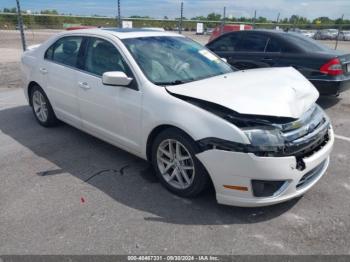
(172, 83)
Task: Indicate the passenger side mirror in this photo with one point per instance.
(116, 78)
(224, 59)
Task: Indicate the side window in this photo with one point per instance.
(49, 52)
(274, 46)
(65, 50)
(225, 43)
(102, 56)
(279, 46)
(253, 43)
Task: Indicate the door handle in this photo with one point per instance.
(84, 85)
(266, 59)
(43, 70)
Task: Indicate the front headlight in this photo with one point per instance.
(265, 139)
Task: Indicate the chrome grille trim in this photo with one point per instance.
(307, 124)
(310, 134)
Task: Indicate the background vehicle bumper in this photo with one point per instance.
(331, 87)
(239, 169)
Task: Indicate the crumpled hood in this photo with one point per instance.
(281, 92)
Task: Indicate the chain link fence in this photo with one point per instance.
(31, 23)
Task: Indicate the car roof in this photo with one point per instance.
(123, 33)
(269, 32)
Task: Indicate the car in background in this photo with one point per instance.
(160, 29)
(257, 136)
(222, 29)
(327, 69)
(18, 27)
(344, 36)
(308, 33)
(208, 31)
(78, 27)
(326, 34)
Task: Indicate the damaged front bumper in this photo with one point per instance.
(234, 173)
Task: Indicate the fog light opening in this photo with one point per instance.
(263, 188)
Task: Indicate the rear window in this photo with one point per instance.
(65, 50)
(305, 43)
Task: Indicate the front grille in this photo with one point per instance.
(311, 175)
(310, 134)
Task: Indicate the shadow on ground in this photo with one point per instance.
(122, 176)
(328, 101)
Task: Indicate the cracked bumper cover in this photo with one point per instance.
(239, 169)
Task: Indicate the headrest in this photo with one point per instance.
(104, 51)
(69, 47)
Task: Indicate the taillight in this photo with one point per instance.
(332, 67)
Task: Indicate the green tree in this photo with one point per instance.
(213, 17)
(201, 18)
(49, 12)
(139, 17)
(10, 10)
(261, 20)
(323, 20)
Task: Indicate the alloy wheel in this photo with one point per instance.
(40, 106)
(175, 164)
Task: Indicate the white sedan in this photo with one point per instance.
(256, 135)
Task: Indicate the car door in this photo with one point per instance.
(60, 68)
(273, 51)
(113, 113)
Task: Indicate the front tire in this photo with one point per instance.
(173, 158)
(42, 108)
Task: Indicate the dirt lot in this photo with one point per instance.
(10, 53)
(51, 202)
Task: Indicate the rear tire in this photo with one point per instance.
(175, 163)
(42, 108)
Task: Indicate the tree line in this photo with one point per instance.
(43, 12)
(294, 19)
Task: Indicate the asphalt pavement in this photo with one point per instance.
(65, 192)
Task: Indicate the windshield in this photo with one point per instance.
(168, 60)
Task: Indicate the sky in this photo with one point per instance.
(171, 8)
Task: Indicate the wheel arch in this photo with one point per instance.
(154, 133)
(31, 85)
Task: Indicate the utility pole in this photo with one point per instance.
(254, 21)
(20, 23)
(119, 19)
(339, 29)
(224, 19)
(223, 22)
(181, 17)
(278, 20)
